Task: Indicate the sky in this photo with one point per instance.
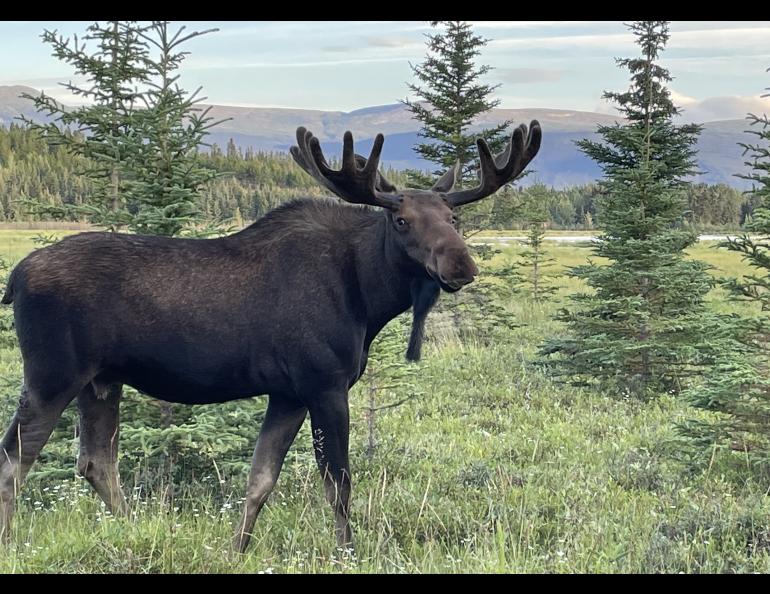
(719, 67)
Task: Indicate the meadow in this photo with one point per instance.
(493, 468)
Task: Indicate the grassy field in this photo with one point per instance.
(493, 469)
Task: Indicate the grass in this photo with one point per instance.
(493, 469)
(15, 243)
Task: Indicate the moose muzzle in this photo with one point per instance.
(454, 268)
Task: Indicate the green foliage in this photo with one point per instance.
(202, 445)
(32, 173)
(533, 270)
(104, 135)
(644, 324)
(139, 139)
(717, 207)
(164, 174)
(41, 182)
(452, 97)
(737, 388)
(389, 380)
(736, 392)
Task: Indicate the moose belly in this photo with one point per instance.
(188, 386)
(192, 374)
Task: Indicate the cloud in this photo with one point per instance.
(528, 75)
(681, 100)
(336, 48)
(54, 87)
(606, 107)
(223, 64)
(706, 110)
(751, 38)
(66, 97)
(533, 24)
(608, 41)
(721, 108)
(279, 30)
(43, 83)
(399, 42)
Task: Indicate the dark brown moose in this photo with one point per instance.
(286, 307)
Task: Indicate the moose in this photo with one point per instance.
(287, 307)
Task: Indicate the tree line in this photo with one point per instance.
(250, 183)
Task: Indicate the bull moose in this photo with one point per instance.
(287, 307)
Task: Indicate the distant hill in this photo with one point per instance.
(559, 163)
(12, 105)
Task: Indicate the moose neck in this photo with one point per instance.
(389, 281)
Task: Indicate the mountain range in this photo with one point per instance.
(558, 164)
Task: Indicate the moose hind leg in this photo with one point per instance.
(282, 422)
(99, 433)
(330, 422)
(30, 428)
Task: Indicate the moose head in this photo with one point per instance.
(424, 220)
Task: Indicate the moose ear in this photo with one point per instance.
(447, 181)
(381, 184)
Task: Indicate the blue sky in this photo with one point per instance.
(719, 66)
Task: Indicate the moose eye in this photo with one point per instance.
(401, 222)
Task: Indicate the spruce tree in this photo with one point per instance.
(104, 125)
(166, 175)
(737, 387)
(387, 381)
(533, 270)
(641, 328)
(139, 135)
(756, 250)
(450, 97)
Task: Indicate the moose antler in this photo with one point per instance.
(497, 171)
(357, 181)
(381, 184)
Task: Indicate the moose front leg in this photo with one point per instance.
(329, 417)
